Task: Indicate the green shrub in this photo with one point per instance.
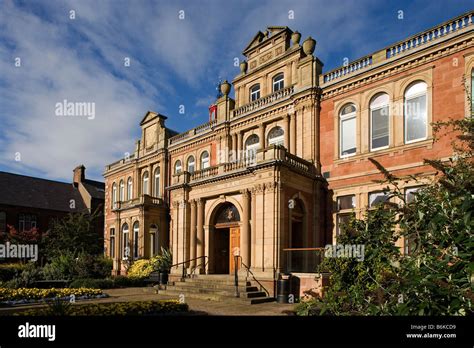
(60, 267)
(69, 267)
(9, 271)
(137, 308)
(141, 269)
(126, 282)
(92, 283)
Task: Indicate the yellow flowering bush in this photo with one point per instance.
(7, 294)
(118, 309)
(140, 269)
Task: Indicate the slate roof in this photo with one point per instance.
(95, 188)
(26, 191)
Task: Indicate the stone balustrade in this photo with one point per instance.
(119, 163)
(430, 35)
(264, 101)
(197, 130)
(134, 202)
(357, 65)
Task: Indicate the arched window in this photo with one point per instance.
(347, 130)
(153, 239)
(255, 92)
(129, 188)
(177, 167)
(191, 164)
(136, 230)
(252, 144)
(276, 136)
(278, 82)
(416, 117)
(125, 242)
(379, 122)
(122, 191)
(3, 221)
(205, 160)
(157, 182)
(145, 184)
(112, 243)
(114, 196)
(472, 93)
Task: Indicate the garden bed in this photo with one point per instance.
(10, 297)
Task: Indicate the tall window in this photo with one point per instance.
(112, 243)
(114, 196)
(205, 160)
(3, 221)
(122, 191)
(129, 188)
(125, 242)
(278, 82)
(416, 118)
(347, 130)
(157, 182)
(255, 92)
(136, 230)
(379, 122)
(472, 93)
(26, 222)
(276, 136)
(252, 144)
(177, 167)
(191, 164)
(153, 239)
(145, 184)
(345, 206)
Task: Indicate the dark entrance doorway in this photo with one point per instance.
(221, 250)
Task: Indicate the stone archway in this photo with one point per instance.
(224, 238)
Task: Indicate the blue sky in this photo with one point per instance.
(173, 62)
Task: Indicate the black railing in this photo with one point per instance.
(184, 274)
(249, 272)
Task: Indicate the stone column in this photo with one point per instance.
(293, 133)
(239, 144)
(245, 233)
(192, 242)
(261, 135)
(150, 180)
(253, 228)
(235, 146)
(200, 233)
(286, 129)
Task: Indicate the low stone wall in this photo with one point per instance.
(308, 284)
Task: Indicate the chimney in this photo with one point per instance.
(79, 175)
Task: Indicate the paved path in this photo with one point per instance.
(197, 306)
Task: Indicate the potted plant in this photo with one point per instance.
(164, 265)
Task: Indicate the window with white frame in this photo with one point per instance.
(112, 243)
(3, 221)
(114, 195)
(125, 242)
(378, 197)
(255, 92)
(129, 188)
(26, 222)
(379, 122)
(205, 160)
(252, 144)
(145, 184)
(410, 193)
(346, 202)
(121, 191)
(347, 130)
(191, 164)
(278, 82)
(153, 239)
(177, 167)
(136, 231)
(342, 220)
(416, 117)
(157, 182)
(345, 205)
(276, 136)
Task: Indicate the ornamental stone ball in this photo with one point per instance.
(309, 45)
(295, 38)
(243, 66)
(225, 88)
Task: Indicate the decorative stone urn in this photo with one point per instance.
(295, 38)
(243, 66)
(309, 45)
(225, 87)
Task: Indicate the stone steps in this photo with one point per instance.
(217, 288)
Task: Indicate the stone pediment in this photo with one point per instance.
(261, 38)
(150, 115)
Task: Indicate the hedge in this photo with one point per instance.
(7, 295)
(114, 309)
(9, 271)
(108, 283)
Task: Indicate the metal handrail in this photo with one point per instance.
(183, 262)
(199, 264)
(236, 276)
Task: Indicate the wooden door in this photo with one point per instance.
(221, 251)
(234, 247)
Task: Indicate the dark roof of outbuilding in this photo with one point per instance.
(95, 188)
(27, 191)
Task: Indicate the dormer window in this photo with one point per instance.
(255, 92)
(278, 82)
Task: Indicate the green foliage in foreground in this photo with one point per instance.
(110, 309)
(436, 278)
